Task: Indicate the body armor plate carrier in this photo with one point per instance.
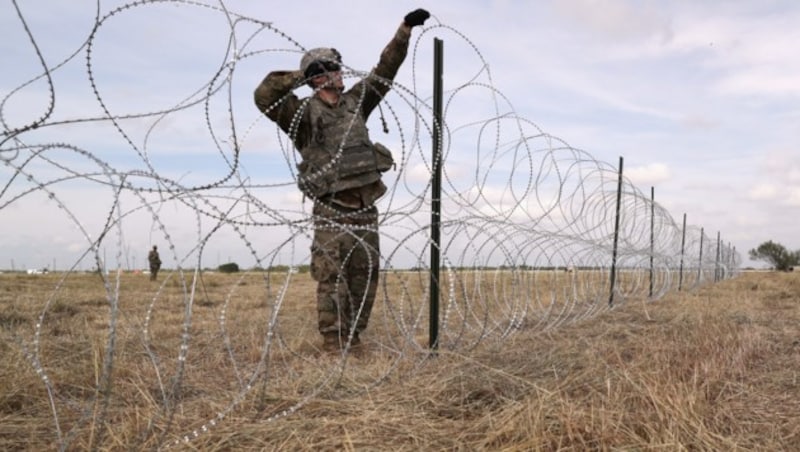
(340, 155)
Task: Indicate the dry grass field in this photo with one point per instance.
(716, 369)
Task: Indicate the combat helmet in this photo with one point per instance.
(320, 60)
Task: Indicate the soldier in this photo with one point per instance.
(340, 170)
(155, 262)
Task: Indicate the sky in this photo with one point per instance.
(699, 98)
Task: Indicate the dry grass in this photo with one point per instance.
(715, 369)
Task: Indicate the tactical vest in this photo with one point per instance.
(338, 154)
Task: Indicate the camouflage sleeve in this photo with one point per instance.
(377, 83)
(274, 97)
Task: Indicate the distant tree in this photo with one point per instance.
(230, 267)
(777, 255)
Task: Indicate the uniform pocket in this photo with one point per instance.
(312, 178)
(383, 157)
(325, 262)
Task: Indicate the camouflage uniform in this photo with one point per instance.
(155, 263)
(341, 171)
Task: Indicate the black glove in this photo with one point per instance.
(416, 17)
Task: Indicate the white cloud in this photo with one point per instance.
(763, 192)
(753, 48)
(648, 175)
(751, 221)
(792, 196)
(618, 20)
(419, 173)
(780, 173)
(782, 165)
(761, 81)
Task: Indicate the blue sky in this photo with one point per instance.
(700, 98)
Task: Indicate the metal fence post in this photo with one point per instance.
(700, 264)
(652, 234)
(616, 237)
(436, 193)
(716, 260)
(683, 251)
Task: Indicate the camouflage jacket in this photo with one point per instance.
(154, 259)
(338, 159)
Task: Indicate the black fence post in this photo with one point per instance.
(683, 251)
(716, 260)
(616, 237)
(652, 234)
(700, 265)
(436, 193)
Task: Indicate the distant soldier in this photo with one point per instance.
(341, 172)
(155, 262)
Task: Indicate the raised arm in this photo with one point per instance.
(392, 57)
(274, 97)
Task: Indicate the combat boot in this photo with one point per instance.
(331, 342)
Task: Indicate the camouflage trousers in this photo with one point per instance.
(345, 262)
